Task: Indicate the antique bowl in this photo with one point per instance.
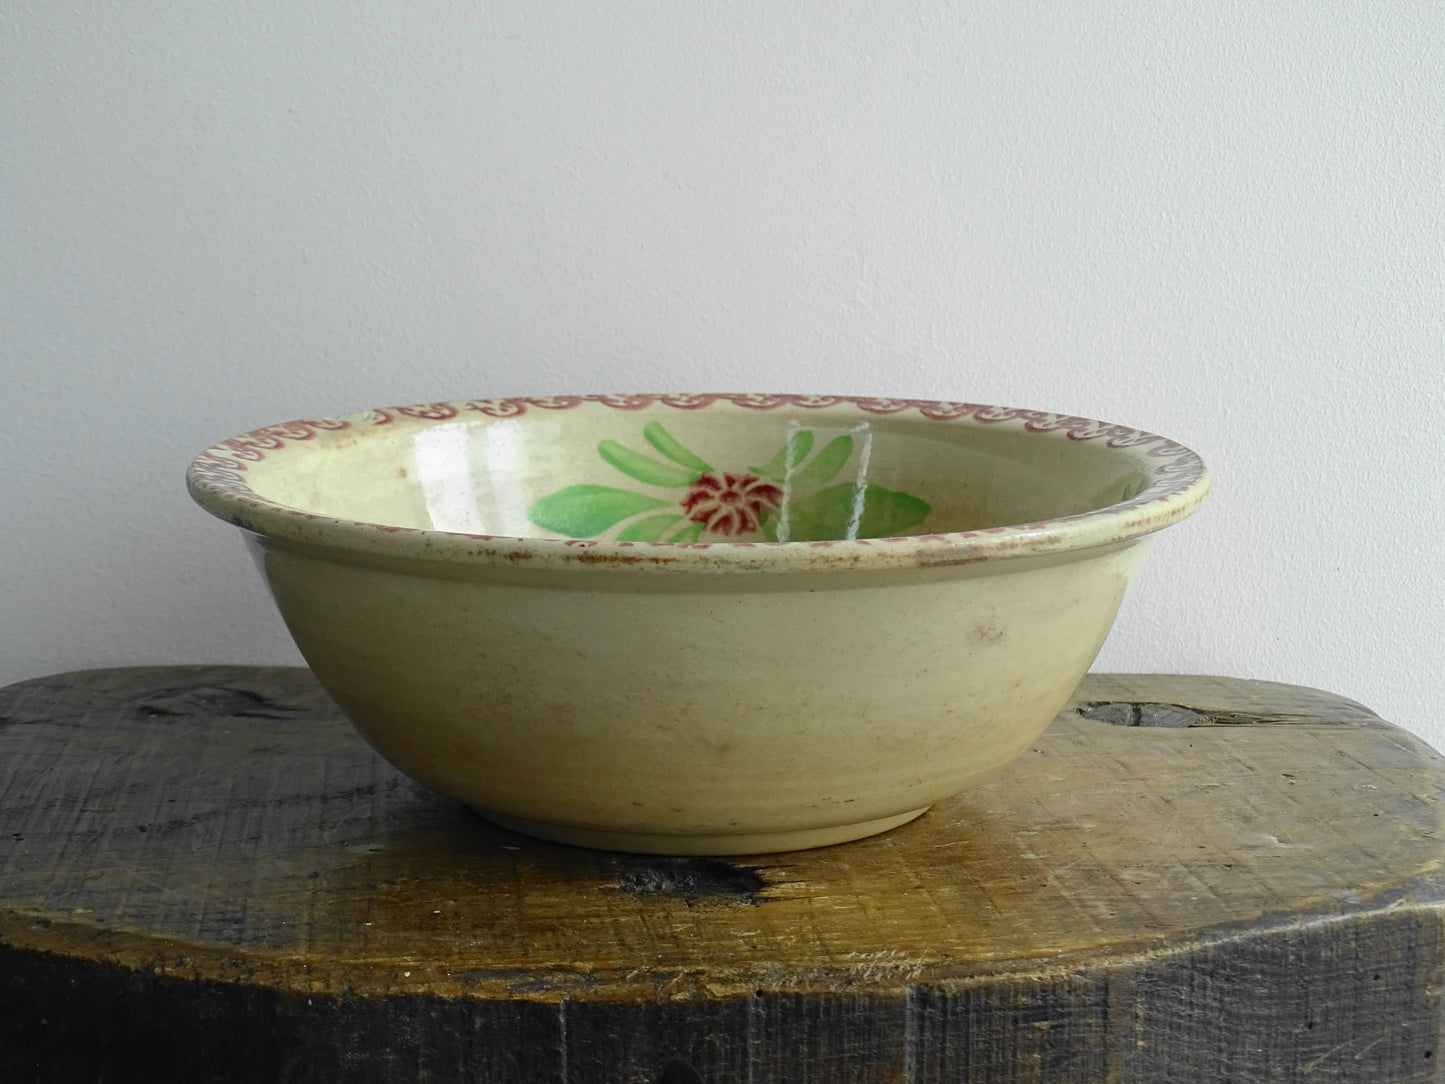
(699, 624)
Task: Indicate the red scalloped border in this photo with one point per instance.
(222, 468)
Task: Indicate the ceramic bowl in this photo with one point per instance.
(699, 624)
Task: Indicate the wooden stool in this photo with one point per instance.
(206, 875)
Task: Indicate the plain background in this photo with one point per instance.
(1220, 221)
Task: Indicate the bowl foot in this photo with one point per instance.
(682, 843)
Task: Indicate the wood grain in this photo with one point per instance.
(1185, 879)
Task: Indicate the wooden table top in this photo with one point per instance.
(1181, 868)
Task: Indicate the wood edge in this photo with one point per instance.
(294, 973)
(1093, 686)
(166, 668)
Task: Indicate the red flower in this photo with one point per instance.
(731, 503)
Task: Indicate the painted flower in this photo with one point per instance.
(731, 503)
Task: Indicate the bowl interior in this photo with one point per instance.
(658, 474)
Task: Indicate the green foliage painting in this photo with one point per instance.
(793, 497)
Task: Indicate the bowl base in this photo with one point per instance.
(684, 844)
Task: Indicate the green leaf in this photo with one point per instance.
(691, 533)
(648, 529)
(789, 456)
(587, 511)
(851, 511)
(668, 445)
(644, 468)
(888, 512)
(823, 466)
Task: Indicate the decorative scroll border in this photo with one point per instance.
(222, 468)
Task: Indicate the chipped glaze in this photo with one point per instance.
(674, 676)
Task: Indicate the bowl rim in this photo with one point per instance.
(216, 479)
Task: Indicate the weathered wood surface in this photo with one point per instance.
(206, 875)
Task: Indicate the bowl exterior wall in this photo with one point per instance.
(698, 706)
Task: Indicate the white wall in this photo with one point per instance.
(1219, 221)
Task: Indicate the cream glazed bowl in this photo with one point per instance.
(699, 624)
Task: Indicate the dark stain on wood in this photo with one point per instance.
(696, 881)
(214, 701)
(205, 874)
(1176, 716)
(1133, 714)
